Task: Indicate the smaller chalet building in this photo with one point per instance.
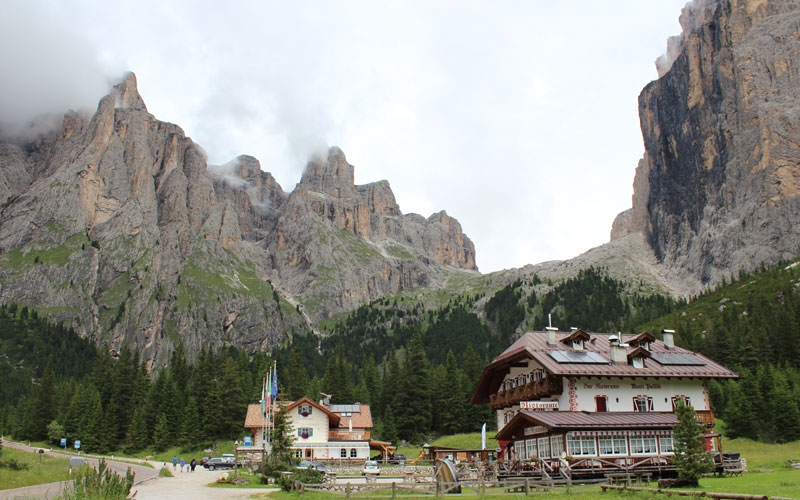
(322, 431)
(606, 400)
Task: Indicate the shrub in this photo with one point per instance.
(100, 483)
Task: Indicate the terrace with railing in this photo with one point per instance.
(348, 435)
(537, 389)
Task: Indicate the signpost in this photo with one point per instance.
(78, 445)
(64, 445)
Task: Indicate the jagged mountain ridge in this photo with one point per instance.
(115, 225)
(718, 189)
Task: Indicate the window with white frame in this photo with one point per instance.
(666, 444)
(298, 453)
(305, 432)
(556, 446)
(544, 447)
(304, 410)
(519, 450)
(612, 445)
(686, 400)
(642, 403)
(637, 362)
(530, 448)
(577, 345)
(643, 445)
(581, 445)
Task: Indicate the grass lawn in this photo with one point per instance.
(41, 469)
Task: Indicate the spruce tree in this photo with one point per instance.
(691, 459)
(414, 421)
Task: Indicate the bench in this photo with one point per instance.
(628, 478)
(732, 467)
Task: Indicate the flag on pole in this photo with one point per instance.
(483, 436)
(264, 396)
(269, 388)
(274, 392)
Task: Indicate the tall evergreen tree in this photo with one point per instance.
(691, 459)
(415, 392)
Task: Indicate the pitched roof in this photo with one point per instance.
(360, 414)
(595, 360)
(578, 420)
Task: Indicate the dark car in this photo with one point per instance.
(218, 463)
(397, 458)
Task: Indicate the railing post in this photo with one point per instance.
(394, 490)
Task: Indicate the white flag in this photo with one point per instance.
(483, 436)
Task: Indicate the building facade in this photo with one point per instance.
(321, 431)
(603, 400)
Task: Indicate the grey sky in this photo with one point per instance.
(519, 118)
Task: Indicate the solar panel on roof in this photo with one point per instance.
(339, 408)
(577, 357)
(677, 359)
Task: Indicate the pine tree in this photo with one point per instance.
(162, 434)
(281, 439)
(137, 437)
(691, 459)
(414, 422)
(297, 385)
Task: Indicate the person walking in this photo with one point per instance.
(183, 462)
(174, 462)
(193, 464)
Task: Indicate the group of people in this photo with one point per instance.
(182, 463)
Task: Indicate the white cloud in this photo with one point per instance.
(519, 118)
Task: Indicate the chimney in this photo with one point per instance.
(619, 351)
(669, 338)
(551, 334)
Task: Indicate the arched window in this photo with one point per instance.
(353, 453)
(343, 453)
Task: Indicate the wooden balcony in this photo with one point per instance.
(542, 388)
(348, 436)
(705, 417)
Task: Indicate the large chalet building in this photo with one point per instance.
(602, 400)
(322, 431)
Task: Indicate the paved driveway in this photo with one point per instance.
(148, 486)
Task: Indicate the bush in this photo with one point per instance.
(100, 483)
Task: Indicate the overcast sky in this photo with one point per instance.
(519, 118)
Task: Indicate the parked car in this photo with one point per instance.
(371, 468)
(397, 458)
(218, 463)
(308, 464)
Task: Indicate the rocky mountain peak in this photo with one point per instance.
(127, 94)
(719, 187)
(119, 228)
(331, 175)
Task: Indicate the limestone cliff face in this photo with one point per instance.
(718, 188)
(115, 225)
(342, 244)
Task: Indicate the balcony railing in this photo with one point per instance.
(348, 435)
(545, 387)
(705, 417)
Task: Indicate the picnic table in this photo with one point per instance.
(629, 478)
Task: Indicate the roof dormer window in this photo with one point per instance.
(637, 356)
(577, 339)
